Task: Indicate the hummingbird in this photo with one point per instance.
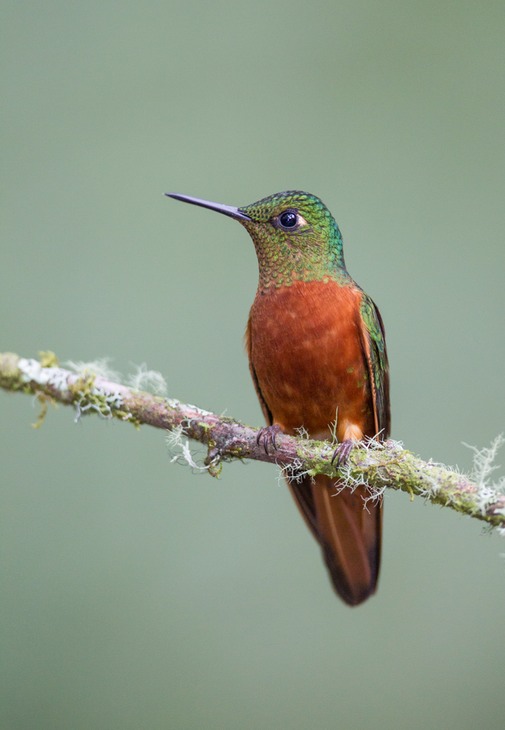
(318, 361)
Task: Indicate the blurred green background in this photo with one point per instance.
(136, 594)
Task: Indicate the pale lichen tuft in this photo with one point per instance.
(183, 455)
(32, 371)
(483, 466)
(149, 380)
(100, 368)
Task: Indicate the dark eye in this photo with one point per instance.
(288, 219)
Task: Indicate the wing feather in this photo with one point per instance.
(374, 347)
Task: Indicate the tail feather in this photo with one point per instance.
(349, 534)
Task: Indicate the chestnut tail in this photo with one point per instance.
(349, 534)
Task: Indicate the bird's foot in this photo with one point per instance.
(341, 454)
(267, 437)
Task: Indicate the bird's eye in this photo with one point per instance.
(289, 219)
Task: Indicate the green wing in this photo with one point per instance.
(374, 346)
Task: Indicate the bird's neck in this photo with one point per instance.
(277, 272)
(283, 260)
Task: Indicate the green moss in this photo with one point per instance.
(44, 401)
(215, 469)
(48, 359)
(87, 398)
(10, 375)
(126, 416)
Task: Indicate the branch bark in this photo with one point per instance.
(375, 465)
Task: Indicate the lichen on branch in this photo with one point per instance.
(92, 389)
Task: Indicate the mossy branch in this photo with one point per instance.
(375, 465)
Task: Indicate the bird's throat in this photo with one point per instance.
(283, 260)
(276, 274)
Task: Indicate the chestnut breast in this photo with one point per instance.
(305, 345)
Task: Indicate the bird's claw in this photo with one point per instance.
(267, 437)
(341, 453)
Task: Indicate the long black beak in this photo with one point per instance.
(219, 207)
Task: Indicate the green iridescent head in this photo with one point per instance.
(295, 236)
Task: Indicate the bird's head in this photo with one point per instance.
(295, 236)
